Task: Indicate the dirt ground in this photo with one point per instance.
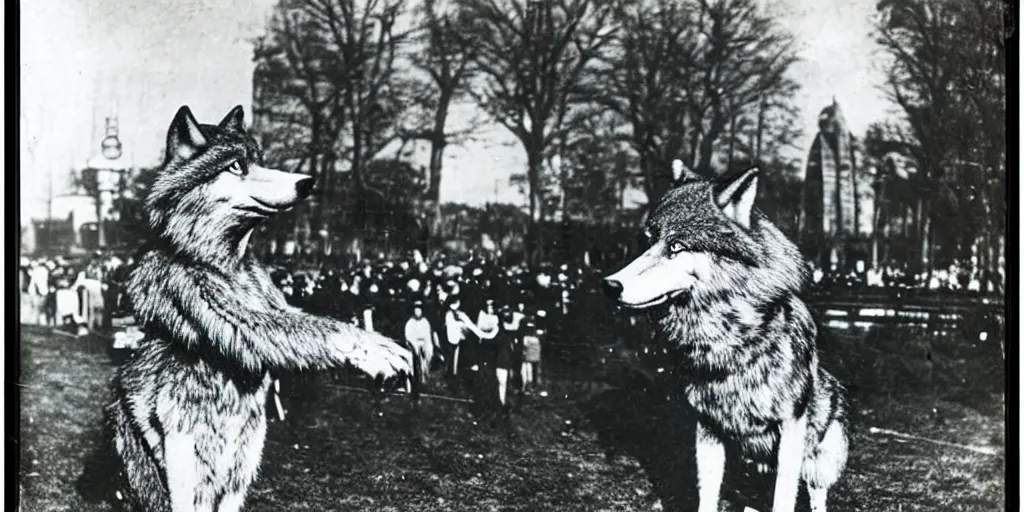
(584, 447)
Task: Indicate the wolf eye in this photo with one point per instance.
(675, 247)
(238, 169)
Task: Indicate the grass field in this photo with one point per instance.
(583, 448)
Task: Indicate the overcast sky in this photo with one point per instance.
(144, 58)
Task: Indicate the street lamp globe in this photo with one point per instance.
(110, 147)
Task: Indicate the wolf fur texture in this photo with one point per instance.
(725, 281)
(188, 417)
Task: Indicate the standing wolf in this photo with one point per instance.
(188, 415)
(728, 281)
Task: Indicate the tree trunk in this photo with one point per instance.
(879, 222)
(922, 233)
(326, 197)
(657, 176)
(649, 177)
(434, 189)
(533, 174)
(732, 143)
(438, 142)
(707, 148)
(358, 190)
(760, 132)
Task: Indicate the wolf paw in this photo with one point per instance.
(379, 356)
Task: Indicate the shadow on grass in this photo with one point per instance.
(633, 421)
(626, 448)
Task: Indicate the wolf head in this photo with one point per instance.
(707, 242)
(212, 190)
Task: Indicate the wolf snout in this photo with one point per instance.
(304, 187)
(612, 288)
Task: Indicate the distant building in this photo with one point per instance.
(83, 61)
(837, 220)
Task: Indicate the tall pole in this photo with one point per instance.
(100, 238)
(49, 205)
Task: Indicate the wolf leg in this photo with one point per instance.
(818, 498)
(792, 441)
(182, 471)
(825, 464)
(710, 469)
(232, 502)
(247, 465)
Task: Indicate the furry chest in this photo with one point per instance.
(201, 396)
(748, 415)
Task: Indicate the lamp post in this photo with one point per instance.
(106, 169)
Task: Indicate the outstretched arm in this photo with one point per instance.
(473, 327)
(243, 322)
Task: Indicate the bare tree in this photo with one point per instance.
(947, 74)
(531, 58)
(597, 171)
(297, 107)
(698, 80)
(447, 62)
(328, 67)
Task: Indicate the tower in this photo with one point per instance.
(835, 217)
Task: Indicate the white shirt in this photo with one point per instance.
(39, 280)
(456, 324)
(453, 327)
(418, 331)
(488, 323)
(368, 319)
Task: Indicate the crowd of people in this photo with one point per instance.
(957, 278)
(468, 321)
(84, 292)
(473, 322)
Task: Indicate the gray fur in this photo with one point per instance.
(188, 418)
(747, 342)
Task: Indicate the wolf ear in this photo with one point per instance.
(185, 137)
(234, 120)
(681, 173)
(735, 197)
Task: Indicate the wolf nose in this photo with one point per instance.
(612, 288)
(304, 187)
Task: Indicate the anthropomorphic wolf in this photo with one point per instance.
(724, 281)
(189, 409)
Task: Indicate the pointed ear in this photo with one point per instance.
(234, 120)
(681, 173)
(735, 196)
(184, 138)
